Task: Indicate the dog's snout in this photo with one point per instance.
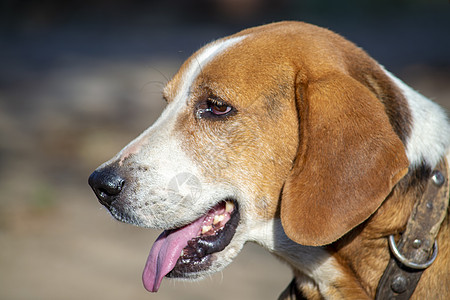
(107, 184)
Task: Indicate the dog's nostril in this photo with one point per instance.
(111, 187)
(106, 185)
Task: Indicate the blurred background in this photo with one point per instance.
(78, 81)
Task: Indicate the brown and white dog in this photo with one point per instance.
(289, 136)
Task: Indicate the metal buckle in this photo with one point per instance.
(406, 262)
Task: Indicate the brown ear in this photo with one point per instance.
(348, 161)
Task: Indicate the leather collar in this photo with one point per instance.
(417, 247)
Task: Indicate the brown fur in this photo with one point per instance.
(348, 161)
(320, 121)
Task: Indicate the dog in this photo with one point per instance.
(289, 136)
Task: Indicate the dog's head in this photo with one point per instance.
(272, 123)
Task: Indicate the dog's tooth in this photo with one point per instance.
(206, 228)
(229, 206)
(218, 218)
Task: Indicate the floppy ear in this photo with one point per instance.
(348, 160)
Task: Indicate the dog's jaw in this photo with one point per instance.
(186, 251)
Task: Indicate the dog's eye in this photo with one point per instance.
(213, 107)
(219, 109)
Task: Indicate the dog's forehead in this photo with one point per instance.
(247, 72)
(181, 84)
(254, 62)
(247, 61)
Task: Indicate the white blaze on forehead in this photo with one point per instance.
(165, 122)
(199, 61)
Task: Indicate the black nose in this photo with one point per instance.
(106, 184)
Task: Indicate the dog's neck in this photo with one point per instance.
(365, 250)
(357, 261)
(317, 270)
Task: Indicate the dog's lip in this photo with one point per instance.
(167, 251)
(197, 254)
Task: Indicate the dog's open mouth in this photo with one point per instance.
(188, 249)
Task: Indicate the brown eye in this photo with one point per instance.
(219, 109)
(213, 107)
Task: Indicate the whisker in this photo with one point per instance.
(156, 82)
(161, 73)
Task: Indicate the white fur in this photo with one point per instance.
(315, 262)
(430, 134)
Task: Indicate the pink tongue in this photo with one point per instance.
(165, 252)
